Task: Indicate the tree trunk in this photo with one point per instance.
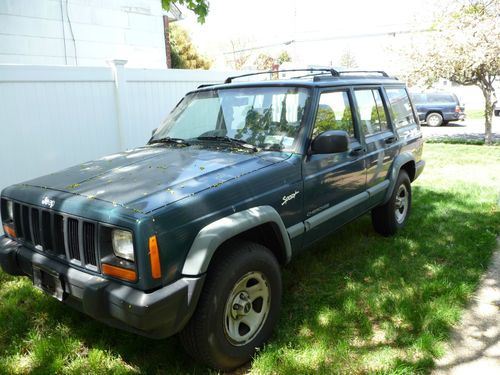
(489, 104)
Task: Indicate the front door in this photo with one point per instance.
(333, 183)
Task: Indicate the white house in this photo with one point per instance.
(84, 32)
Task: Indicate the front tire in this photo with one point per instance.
(388, 218)
(434, 119)
(238, 308)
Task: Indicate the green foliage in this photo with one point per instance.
(284, 57)
(355, 303)
(183, 52)
(199, 7)
(266, 62)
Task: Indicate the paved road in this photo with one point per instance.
(468, 129)
(474, 347)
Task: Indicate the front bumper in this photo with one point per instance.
(156, 314)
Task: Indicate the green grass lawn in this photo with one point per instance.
(354, 303)
(475, 114)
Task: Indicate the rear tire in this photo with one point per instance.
(434, 119)
(388, 218)
(238, 307)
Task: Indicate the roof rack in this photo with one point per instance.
(354, 72)
(332, 71)
(384, 74)
(317, 74)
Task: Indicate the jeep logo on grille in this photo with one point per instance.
(48, 202)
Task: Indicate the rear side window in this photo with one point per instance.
(441, 98)
(334, 113)
(400, 107)
(371, 111)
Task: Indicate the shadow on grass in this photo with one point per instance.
(355, 302)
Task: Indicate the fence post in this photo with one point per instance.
(118, 68)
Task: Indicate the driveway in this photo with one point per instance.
(468, 129)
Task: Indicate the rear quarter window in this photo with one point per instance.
(400, 107)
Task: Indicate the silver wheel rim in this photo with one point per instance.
(433, 120)
(247, 308)
(401, 204)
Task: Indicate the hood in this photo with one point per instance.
(147, 178)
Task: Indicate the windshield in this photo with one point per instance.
(265, 117)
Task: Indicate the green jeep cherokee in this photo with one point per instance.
(188, 233)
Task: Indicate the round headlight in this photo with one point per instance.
(10, 210)
(123, 246)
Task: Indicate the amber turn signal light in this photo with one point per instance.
(10, 231)
(154, 257)
(118, 272)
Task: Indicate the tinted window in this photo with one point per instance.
(334, 113)
(371, 111)
(400, 107)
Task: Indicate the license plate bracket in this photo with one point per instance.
(48, 282)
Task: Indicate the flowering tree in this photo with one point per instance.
(463, 47)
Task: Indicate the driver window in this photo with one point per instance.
(334, 113)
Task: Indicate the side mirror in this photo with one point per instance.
(330, 142)
(153, 131)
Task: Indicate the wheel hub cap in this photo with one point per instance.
(241, 305)
(247, 308)
(401, 204)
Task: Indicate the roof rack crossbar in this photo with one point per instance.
(332, 71)
(381, 72)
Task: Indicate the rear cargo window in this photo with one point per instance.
(400, 107)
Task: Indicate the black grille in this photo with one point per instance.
(67, 237)
(35, 226)
(17, 220)
(46, 231)
(89, 245)
(25, 219)
(59, 235)
(73, 246)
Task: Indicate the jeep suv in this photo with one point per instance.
(188, 233)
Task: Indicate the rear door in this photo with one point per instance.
(380, 139)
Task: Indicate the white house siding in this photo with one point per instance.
(31, 32)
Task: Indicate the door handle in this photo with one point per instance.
(357, 151)
(390, 140)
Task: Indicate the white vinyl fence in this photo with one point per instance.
(54, 117)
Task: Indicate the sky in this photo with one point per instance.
(313, 32)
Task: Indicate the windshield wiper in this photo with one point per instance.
(179, 141)
(233, 141)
